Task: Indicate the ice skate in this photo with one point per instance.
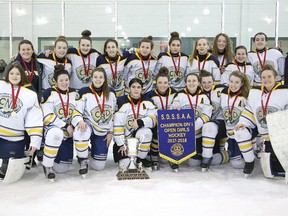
(49, 173)
(248, 169)
(144, 163)
(83, 167)
(174, 167)
(205, 165)
(3, 168)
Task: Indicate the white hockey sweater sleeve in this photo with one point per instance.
(151, 120)
(247, 118)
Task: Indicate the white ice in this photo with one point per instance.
(222, 191)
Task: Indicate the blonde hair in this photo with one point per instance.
(195, 52)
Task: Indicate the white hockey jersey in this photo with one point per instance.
(242, 67)
(54, 114)
(29, 116)
(81, 71)
(48, 68)
(208, 62)
(215, 95)
(268, 56)
(201, 104)
(253, 114)
(135, 69)
(231, 116)
(162, 101)
(176, 69)
(117, 82)
(125, 117)
(88, 109)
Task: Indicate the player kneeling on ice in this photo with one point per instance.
(136, 117)
(58, 104)
(19, 112)
(269, 98)
(93, 121)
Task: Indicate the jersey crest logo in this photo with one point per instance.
(261, 118)
(173, 77)
(115, 83)
(6, 105)
(80, 72)
(58, 110)
(102, 118)
(51, 79)
(233, 119)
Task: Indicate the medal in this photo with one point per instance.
(65, 109)
(230, 111)
(13, 114)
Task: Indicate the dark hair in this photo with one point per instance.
(85, 35)
(192, 74)
(27, 42)
(245, 88)
(163, 72)
(240, 47)
(16, 64)
(195, 52)
(108, 41)
(2, 65)
(105, 86)
(59, 70)
(174, 36)
(60, 39)
(260, 33)
(269, 67)
(135, 80)
(205, 73)
(147, 40)
(228, 49)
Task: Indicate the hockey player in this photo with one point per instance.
(233, 101)
(202, 60)
(141, 65)
(239, 64)
(268, 98)
(58, 104)
(19, 112)
(193, 97)
(213, 132)
(113, 64)
(136, 117)
(83, 60)
(175, 61)
(55, 58)
(162, 97)
(222, 50)
(263, 55)
(93, 121)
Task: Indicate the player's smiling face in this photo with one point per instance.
(145, 49)
(60, 49)
(111, 49)
(221, 43)
(241, 55)
(63, 82)
(162, 84)
(260, 42)
(135, 90)
(98, 79)
(14, 76)
(26, 52)
(235, 83)
(207, 83)
(85, 46)
(202, 46)
(175, 46)
(192, 83)
(268, 79)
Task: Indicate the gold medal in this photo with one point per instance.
(13, 114)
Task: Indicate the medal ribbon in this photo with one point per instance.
(84, 64)
(65, 109)
(114, 72)
(177, 69)
(143, 67)
(233, 103)
(136, 115)
(188, 95)
(96, 96)
(239, 67)
(197, 57)
(160, 97)
(264, 60)
(14, 98)
(30, 73)
(55, 59)
(264, 108)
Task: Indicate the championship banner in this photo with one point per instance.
(176, 135)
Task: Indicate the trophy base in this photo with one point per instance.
(132, 174)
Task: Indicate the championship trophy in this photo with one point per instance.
(134, 169)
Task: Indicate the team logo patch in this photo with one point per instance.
(80, 72)
(116, 83)
(173, 77)
(51, 80)
(261, 118)
(6, 105)
(102, 118)
(233, 119)
(58, 110)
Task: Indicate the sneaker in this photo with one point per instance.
(249, 167)
(83, 166)
(49, 173)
